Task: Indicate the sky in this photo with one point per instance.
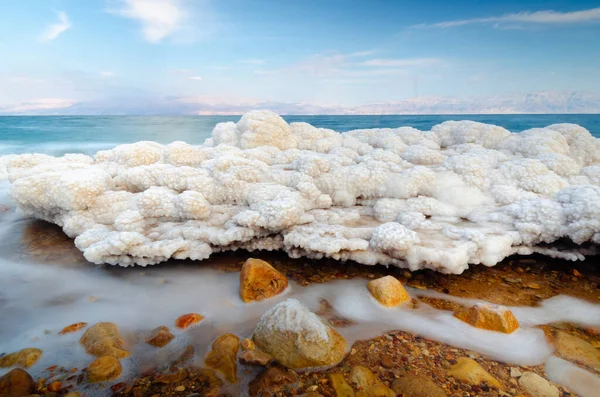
(58, 52)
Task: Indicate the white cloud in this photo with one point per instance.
(197, 78)
(55, 29)
(159, 18)
(548, 17)
(107, 74)
(359, 54)
(253, 61)
(180, 71)
(402, 62)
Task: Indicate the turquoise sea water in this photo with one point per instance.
(57, 135)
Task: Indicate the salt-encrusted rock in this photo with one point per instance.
(417, 386)
(186, 320)
(537, 386)
(159, 336)
(340, 386)
(23, 358)
(255, 357)
(469, 371)
(388, 291)
(16, 383)
(576, 350)
(488, 316)
(272, 380)
(259, 280)
(223, 355)
(103, 339)
(104, 368)
(297, 338)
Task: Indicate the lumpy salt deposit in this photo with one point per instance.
(463, 193)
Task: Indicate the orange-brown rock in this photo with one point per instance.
(223, 356)
(159, 337)
(55, 386)
(388, 291)
(186, 320)
(469, 371)
(488, 316)
(104, 368)
(247, 344)
(23, 358)
(73, 327)
(259, 280)
(272, 380)
(255, 357)
(16, 383)
(103, 339)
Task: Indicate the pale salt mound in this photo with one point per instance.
(463, 193)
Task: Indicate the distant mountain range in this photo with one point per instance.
(542, 102)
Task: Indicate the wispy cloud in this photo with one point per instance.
(547, 17)
(55, 29)
(402, 62)
(180, 71)
(106, 74)
(197, 78)
(253, 61)
(159, 18)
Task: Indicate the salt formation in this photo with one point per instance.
(463, 193)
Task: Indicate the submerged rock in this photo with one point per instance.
(259, 280)
(104, 368)
(388, 291)
(340, 386)
(16, 383)
(490, 317)
(297, 338)
(186, 320)
(23, 358)
(247, 344)
(272, 380)
(159, 337)
(223, 355)
(469, 371)
(417, 386)
(537, 386)
(103, 339)
(576, 350)
(73, 327)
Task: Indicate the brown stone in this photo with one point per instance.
(223, 356)
(186, 355)
(16, 383)
(340, 386)
(159, 337)
(376, 390)
(362, 377)
(417, 386)
(488, 316)
(73, 327)
(104, 368)
(272, 380)
(188, 319)
(247, 344)
(259, 280)
(576, 350)
(297, 338)
(23, 358)
(469, 371)
(103, 339)
(388, 291)
(255, 357)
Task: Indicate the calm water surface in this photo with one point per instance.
(57, 135)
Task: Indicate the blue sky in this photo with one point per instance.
(56, 52)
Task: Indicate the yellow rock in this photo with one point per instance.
(377, 390)
(490, 317)
(159, 337)
(248, 344)
(259, 280)
(388, 291)
(577, 350)
(23, 358)
(362, 377)
(341, 387)
(104, 368)
(472, 373)
(223, 356)
(103, 339)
